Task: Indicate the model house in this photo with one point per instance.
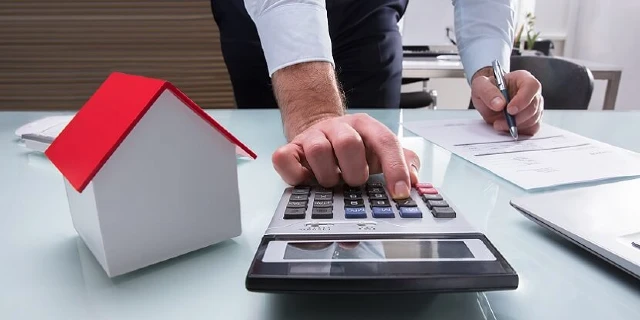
(149, 175)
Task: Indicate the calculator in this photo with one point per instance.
(357, 239)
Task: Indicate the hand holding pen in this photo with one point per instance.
(506, 100)
(498, 72)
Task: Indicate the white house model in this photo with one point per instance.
(149, 175)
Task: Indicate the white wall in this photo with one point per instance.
(605, 33)
(425, 22)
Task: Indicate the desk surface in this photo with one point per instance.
(418, 63)
(48, 273)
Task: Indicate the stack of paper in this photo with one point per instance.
(551, 157)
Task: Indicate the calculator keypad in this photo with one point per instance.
(368, 201)
(382, 212)
(322, 213)
(294, 213)
(355, 213)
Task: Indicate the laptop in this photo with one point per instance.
(603, 219)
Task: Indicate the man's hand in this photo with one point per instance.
(328, 146)
(526, 103)
(350, 147)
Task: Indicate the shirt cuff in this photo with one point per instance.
(480, 53)
(294, 33)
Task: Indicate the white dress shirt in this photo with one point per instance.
(294, 31)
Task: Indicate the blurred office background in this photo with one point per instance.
(597, 31)
(54, 54)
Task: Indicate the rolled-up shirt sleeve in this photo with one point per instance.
(291, 31)
(484, 32)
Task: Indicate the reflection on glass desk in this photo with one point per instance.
(48, 273)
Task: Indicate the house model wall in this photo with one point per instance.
(167, 188)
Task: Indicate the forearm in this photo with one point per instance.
(307, 93)
(484, 32)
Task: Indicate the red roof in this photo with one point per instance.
(98, 128)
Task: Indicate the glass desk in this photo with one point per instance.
(46, 272)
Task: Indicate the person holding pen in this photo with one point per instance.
(312, 59)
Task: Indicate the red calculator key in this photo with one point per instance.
(424, 185)
(422, 191)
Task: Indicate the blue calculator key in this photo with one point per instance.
(410, 212)
(355, 213)
(382, 212)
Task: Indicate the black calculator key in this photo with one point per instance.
(410, 212)
(375, 190)
(380, 203)
(375, 185)
(300, 191)
(427, 197)
(294, 213)
(352, 196)
(350, 189)
(322, 203)
(355, 213)
(406, 202)
(437, 203)
(322, 213)
(382, 212)
(299, 197)
(297, 204)
(443, 212)
(353, 203)
(323, 196)
(378, 196)
(327, 194)
(323, 190)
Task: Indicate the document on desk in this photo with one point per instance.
(552, 157)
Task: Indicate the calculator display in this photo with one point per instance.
(376, 250)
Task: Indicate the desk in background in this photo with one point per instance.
(434, 68)
(48, 273)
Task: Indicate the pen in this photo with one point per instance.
(502, 86)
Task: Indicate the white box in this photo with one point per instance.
(149, 175)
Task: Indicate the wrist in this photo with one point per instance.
(483, 72)
(307, 93)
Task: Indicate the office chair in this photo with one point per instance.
(565, 85)
(418, 99)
